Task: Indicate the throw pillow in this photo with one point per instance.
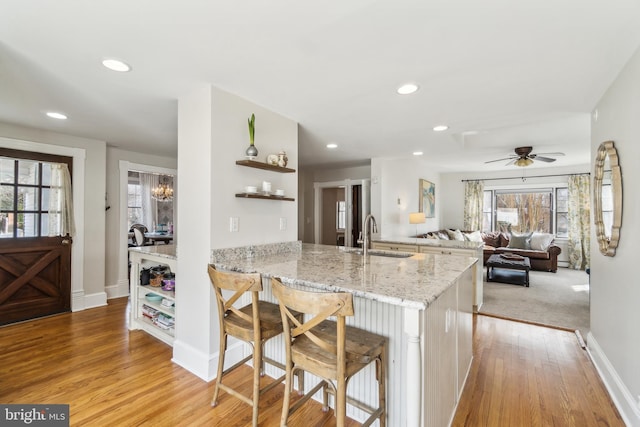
(474, 236)
(541, 241)
(442, 235)
(492, 239)
(520, 241)
(455, 235)
(504, 240)
(432, 236)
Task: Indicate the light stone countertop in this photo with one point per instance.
(161, 251)
(421, 241)
(414, 282)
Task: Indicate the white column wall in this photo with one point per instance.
(212, 135)
(195, 309)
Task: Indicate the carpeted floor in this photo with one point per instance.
(556, 299)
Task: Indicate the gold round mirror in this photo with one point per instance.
(607, 196)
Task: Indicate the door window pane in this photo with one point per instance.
(28, 199)
(44, 225)
(6, 197)
(46, 174)
(27, 225)
(6, 225)
(28, 172)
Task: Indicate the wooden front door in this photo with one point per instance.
(35, 269)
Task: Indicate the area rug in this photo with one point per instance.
(554, 299)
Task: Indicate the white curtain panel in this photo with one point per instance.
(149, 204)
(61, 220)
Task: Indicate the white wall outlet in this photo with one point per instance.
(233, 224)
(283, 224)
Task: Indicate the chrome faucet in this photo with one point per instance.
(369, 222)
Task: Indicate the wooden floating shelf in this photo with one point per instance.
(262, 196)
(265, 166)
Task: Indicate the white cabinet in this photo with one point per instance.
(152, 308)
(447, 349)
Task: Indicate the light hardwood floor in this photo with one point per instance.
(522, 375)
(528, 375)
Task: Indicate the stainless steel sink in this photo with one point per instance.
(387, 254)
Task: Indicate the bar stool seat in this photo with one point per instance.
(328, 349)
(254, 323)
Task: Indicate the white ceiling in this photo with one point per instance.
(500, 73)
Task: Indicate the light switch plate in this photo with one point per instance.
(233, 224)
(283, 224)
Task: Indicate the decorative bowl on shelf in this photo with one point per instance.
(153, 297)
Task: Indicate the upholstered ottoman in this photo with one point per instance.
(508, 262)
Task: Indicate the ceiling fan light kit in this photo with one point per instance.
(523, 162)
(524, 157)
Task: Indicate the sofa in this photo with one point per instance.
(538, 247)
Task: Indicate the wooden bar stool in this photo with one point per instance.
(254, 323)
(330, 350)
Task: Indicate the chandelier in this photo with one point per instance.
(163, 192)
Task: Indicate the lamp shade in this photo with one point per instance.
(417, 218)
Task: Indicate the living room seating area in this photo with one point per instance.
(538, 247)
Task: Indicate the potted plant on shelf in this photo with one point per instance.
(252, 151)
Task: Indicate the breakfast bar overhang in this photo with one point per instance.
(423, 303)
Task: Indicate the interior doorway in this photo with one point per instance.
(339, 209)
(334, 219)
(124, 168)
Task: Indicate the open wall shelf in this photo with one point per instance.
(262, 196)
(264, 166)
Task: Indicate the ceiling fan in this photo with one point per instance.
(525, 157)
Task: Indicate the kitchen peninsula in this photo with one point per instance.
(443, 247)
(422, 302)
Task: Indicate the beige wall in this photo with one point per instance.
(613, 341)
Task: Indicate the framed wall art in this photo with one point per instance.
(427, 198)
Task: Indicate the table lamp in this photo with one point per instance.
(417, 218)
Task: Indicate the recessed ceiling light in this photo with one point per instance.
(332, 145)
(116, 65)
(407, 88)
(440, 128)
(418, 153)
(55, 115)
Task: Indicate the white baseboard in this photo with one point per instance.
(625, 403)
(95, 300)
(77, 301)
(203, 365)
(119, 290)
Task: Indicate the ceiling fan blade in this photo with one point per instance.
(512, 161)
(550, 154)
(499, 160)
(544, 159)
